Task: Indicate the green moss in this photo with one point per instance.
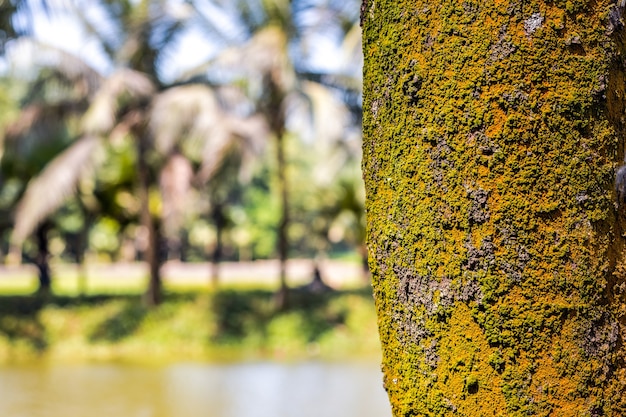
(492, 131)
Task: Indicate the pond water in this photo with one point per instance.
(265, 389)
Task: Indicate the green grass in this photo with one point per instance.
(226, 324)
(18, 286)
(69, 285)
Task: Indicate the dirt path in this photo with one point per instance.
(337, 274)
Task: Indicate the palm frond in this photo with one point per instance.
(252, 42)
(17, 18)
(120, 90)
(37, 127)
(247, 135)
(317, 114)
(251, 136)
(187, 112)
(175, 184)
(190, 118)
(352, 48)
(64, 63)
(327, 113)
(46, 193)
(221, 23)
(266, 52)
(108, 37)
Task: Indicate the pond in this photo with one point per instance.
(257, 389)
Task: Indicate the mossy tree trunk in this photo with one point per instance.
(492, 133)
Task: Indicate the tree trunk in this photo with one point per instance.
(152, 254)
(275, 113)
(219, 219)
(82, 243)
(492, 131)
(283, 242)
(154, 294)
(42, 259)
(365, 272)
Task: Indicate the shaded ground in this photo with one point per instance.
(226, 323)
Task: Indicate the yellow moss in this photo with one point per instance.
(464, 362)
(491, 134)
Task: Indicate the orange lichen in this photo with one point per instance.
(491, 134)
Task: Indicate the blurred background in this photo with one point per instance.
(181, 210)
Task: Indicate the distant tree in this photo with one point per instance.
(492, 134)
(42, 130)
(168, 146)
(132, 101)
(264, 46)
(195, 126)
(335, 195)
(9, 110)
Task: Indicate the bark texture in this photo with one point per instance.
(492, 135)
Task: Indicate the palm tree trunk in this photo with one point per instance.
(82, 276)
(42, 259)
(152, 297)
(276, 117)
(173, 246)
(220, 222)
(492, 133)
(283, 241)
(365, 271)
(81, 248)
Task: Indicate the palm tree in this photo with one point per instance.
(202, 126)
(122, 96)
(192, 125)
(264, 45)
(9, 109)
(52, 145)
(43, 130)
(124, 101)
(133, 101)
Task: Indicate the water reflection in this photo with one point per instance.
(240, 390)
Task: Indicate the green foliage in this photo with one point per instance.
(261, 211)
(9, 103)
(103, 236)
(71, 99)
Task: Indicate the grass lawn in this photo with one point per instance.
(190, 324)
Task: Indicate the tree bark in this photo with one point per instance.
(219, 219)
(154, 294)
(365, 271)
(283, 241)
(82, 244)
(274, 108)
(42, 259)
(492, 132)
(152, 254)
